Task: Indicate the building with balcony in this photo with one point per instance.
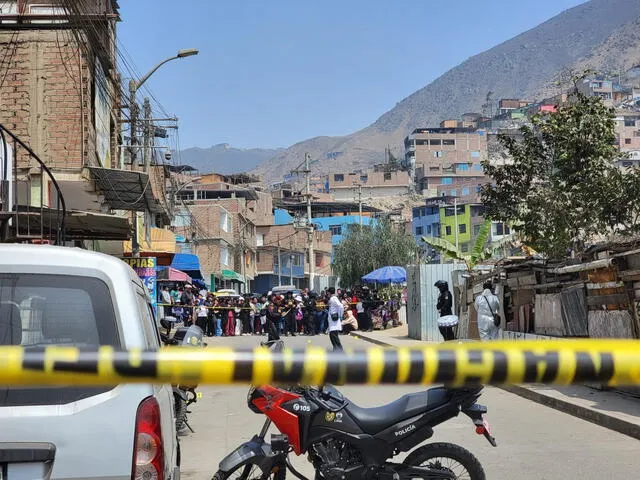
(283, 258)
(220, 217)
(60, 108)
(460, 224)
(425, 222)
(628, 137)
(448, 157)
(507, 105)
(611, 92)
(346, 187)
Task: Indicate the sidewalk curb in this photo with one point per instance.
(369, 339)
(607, 421)
(584, 413)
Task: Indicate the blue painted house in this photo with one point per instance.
(329, 216)
(426, 222)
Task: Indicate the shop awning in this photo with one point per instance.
(79, 225)
(231, 275)
(125, 189)
(188, 263)
(161, 241)
(172, 275)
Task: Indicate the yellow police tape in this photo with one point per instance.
(612, 362)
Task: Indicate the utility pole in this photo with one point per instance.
(279, 263)
(133, 140)
(309, 223)
(360, 204)
(455, 214)
(134, 86)
(147, 129)
(242, 262)
(312, 257)
(291, 257)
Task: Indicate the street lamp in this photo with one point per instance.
(134, 86)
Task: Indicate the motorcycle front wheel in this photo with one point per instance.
(250, 471)
(450, 458)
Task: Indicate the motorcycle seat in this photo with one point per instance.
(374, 420)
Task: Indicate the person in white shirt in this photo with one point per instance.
(336, 312)
(487, 304)
(166, 299)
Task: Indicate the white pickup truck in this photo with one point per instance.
(67, 296)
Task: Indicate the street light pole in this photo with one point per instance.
(134, 86)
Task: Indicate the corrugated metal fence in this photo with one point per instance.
(422, 316)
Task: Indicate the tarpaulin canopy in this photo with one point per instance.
(162, 240)
(231, 275)
(386, 275)
(172, 275)
(187, 263)
(199, 283)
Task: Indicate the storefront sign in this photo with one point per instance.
(145, 268)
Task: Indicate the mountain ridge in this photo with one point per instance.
(224, 158)
(522, 67)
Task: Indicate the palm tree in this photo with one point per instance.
(477, 254)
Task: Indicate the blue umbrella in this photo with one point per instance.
(386, 275)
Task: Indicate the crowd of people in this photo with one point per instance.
(306, 313)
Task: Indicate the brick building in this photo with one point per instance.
(283, 256)
(60, 94)
(345, 186)
(628, 137)
(445, 157)
(222, 216)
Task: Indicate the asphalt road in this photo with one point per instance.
(534, 442)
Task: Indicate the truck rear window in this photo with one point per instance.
(39, 310)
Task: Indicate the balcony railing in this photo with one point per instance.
(30, 211)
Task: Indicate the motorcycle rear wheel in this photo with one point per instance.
(448, 457)
(250, 471)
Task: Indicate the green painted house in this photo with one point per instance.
(469, 220)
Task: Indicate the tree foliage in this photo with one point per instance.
(478, 253)
(562, 189)
(366, 248)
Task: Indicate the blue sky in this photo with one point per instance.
(272, 73)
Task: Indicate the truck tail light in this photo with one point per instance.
(148, 450)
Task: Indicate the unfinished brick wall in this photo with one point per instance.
(209, 254)
(207, 218)
(46, 97)
(262, 209)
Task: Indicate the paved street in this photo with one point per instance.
(534, 442)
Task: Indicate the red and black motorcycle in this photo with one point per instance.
(347, 442)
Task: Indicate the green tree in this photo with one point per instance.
(478, 253)
(364, 249)
(562, 188)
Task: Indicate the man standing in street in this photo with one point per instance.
(336, 312)
(166, 300)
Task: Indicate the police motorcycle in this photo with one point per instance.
(346, 442)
